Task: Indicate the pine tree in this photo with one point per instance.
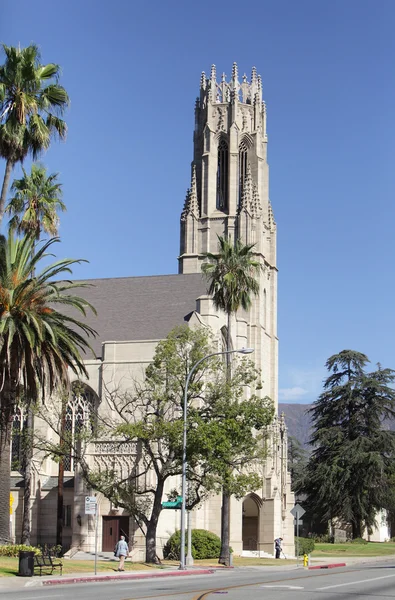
(349, 472)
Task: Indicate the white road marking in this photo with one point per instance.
(288, 587)
(46, 596)
(329, 587)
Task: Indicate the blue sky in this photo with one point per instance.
(132, 71)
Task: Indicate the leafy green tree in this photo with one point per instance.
(349, 473)
(33, 208)
(297, 461)
(31, 105)
(38, 343)
(35, 204)
(232, 276)
(149, 416)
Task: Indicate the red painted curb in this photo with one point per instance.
(332, 566)
(95, 578)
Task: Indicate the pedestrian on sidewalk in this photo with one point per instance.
(277, 546)
(121, 550)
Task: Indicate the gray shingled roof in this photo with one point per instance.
(140, 308)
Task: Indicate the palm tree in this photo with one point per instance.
(31, 104)
(38, 343)
(232, 276)
(35, 204)
(33, 208)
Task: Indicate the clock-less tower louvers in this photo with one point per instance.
(229, 195)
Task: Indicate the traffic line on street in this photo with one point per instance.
(286, 587)
(330, 587)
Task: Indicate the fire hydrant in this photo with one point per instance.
(305, 560)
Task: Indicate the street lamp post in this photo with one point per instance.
(184, 444)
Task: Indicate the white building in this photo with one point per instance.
(229, 195)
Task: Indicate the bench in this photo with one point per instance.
(43, 562)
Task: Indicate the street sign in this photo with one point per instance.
(298, 522)
(297, 511)
(175, 505)
(90, 505)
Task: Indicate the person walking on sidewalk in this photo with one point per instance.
(121, 551)
(277, 546)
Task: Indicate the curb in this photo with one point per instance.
(95, 578)
(331, 566)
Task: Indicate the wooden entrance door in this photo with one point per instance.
(113, 528)
(250, 533)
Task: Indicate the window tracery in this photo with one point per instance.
(222, 175)
(80, 413)
(242, 167)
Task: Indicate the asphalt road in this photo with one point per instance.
(369, 581)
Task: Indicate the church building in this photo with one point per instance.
(228, 195)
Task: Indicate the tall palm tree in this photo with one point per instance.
(35, 204)
(39, 344)
(31, 104)
(232, 276)
(33, 208)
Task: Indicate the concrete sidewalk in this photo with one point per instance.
(14, 583)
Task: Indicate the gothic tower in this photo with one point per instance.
(229, 195)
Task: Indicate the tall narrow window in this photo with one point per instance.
(242, 167)
(222, 176)
(80, 413)
(18, 425)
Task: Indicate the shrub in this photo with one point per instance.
(359, 541)
(306, 545)
(324, 538)
(204, 545)
(14, 549)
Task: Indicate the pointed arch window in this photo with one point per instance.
(18, 425)
(222, 175)
(80, 413)
(242, 167)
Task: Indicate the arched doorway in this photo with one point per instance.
(250, 523)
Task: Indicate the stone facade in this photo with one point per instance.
(229, 195)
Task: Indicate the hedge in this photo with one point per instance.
(204, 545)
(14, 549)
(306, 545)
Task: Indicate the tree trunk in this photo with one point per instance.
(27, 458)
(59, 521)
(224, 557)
(5, 476)
(357, 529)
(150, 538)
(4, 190)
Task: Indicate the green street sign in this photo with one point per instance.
(176, 505)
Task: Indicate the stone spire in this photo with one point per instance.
(213, 84)
(203, 81)
(254, 84)
(246, 197)
(271, 221)
(256, 202)
(191, 205)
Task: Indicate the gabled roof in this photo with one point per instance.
(140, 308)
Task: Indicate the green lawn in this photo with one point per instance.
(9, 566)
(369, 549)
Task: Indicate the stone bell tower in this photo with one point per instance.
(229, 195)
